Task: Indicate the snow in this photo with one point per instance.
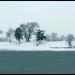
(31, 46)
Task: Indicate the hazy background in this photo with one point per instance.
(52, 16)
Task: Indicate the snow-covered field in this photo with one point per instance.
(31, 46)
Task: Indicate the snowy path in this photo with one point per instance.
(47, 46)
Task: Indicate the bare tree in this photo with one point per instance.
(9, 34)
(69, 39)
(54, 36)
(28, 29)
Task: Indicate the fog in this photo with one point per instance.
(52, 16)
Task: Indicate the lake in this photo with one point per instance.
(39, 62)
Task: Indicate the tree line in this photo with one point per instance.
(25, 31)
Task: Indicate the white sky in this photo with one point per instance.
(52, 16)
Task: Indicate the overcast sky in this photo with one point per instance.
(56, 16)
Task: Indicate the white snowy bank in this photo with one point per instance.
(31, 46)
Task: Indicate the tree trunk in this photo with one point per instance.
(19, 41)
(27, 39)
(37, 43)
(70, 45)
(10, 40)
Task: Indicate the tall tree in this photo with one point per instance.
(18, 34)
(28, 29)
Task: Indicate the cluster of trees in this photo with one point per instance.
(25, 31)
(54, 37)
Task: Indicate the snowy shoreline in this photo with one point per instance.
(31, 46)
(56, 50)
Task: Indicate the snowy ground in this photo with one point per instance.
(46, 46)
